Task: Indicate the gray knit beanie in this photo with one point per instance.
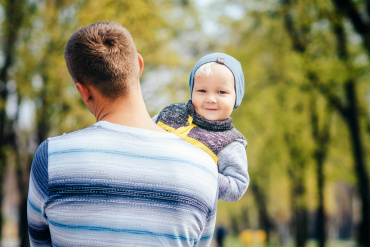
(230, 62)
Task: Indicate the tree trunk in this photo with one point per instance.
(353, 125)
(264, 219)
(234, 224)
(321, 136)
(14, 16)
(296, 173)
(321, 217)
(23, 224)
(22, 180)
(300, 220)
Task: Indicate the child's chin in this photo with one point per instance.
(214, 118)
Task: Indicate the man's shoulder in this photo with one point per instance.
(73, 133)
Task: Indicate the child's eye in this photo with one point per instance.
(221, 92)
(201, 90)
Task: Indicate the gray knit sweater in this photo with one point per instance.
(220, 139)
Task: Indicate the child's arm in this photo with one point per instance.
(233, 177)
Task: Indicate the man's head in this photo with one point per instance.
(103, 55)
(232, 64)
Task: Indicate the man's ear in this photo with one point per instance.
(141, 63)
(84, 92)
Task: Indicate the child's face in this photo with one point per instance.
(214, 95)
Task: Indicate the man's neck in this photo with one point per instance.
(128, 111)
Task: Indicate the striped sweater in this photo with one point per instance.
(112, 185)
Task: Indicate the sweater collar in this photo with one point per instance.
(200, 121)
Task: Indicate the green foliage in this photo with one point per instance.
(40, 64)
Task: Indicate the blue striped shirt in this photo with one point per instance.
(112, 185)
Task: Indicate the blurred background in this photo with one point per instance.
(305, 112)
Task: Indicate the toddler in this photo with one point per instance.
(217, 87)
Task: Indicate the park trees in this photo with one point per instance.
(305, 78)
(346, 98)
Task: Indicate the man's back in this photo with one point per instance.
(111, 185)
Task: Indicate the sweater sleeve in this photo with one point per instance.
(38, 226)
(233, 177)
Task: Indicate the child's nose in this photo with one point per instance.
(211, 99)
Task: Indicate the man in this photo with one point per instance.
(122, 181)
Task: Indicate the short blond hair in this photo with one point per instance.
(205, 69)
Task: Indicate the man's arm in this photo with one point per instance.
(209, 227)
(233, 177)
(37, 194)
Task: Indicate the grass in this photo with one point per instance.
(232, 241)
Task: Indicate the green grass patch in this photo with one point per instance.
(233, 241)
